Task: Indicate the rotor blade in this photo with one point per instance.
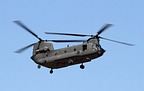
(23, 49)
(117, 41)
(69, 34)
(103, 29)
(67, 40)
(26, 28)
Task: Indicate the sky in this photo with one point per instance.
(121, 68)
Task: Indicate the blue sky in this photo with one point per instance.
(121, 68)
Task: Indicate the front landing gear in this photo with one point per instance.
(82, 66)
(51, 71)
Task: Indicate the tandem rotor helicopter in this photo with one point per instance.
(45, 55)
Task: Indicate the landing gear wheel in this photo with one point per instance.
(82, 66)
(51, 71)
(39, 66)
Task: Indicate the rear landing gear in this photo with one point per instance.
(82, 66)
(39, 66)
(51, 71)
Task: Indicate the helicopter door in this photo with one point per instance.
(84, 47)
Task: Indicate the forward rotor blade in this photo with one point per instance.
(67, 40)
(117, 41)
(23, 49)
(69, 34)
(103, 29)
(27, 29)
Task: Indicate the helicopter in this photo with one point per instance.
(45, 55)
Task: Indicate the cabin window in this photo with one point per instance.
(84, 47)
(65, 51)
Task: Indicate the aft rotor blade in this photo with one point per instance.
(117, 41)
(67, 40)
(23, 49)
(69, 34)
(27, 29)
(103, 29)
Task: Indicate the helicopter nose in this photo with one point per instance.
(101, 51)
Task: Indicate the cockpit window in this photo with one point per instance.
(96, 46)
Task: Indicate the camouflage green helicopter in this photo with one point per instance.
(45, 55)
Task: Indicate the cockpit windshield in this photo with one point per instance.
(96, 46)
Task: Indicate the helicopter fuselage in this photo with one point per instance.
(71, 55)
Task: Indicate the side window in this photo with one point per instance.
(65, 51)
